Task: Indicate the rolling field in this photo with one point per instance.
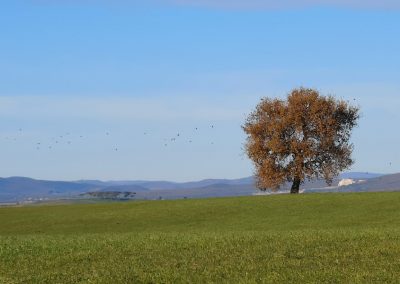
(314, 238)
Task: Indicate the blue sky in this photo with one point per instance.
(88, 68)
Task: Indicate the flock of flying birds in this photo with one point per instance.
(67, 138)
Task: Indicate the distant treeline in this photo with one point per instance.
(110, 194)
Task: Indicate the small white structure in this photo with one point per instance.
(346, 182)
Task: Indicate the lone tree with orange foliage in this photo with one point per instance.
(305, 137)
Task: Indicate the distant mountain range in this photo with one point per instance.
(378, 183)
(158, 185)
(17, 189)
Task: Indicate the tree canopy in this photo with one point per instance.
(305, 137)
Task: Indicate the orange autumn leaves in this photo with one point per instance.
(304, 137)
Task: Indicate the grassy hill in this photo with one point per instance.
(317, 238)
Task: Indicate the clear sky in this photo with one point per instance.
(104, 86)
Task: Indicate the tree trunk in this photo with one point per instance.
(296, 185)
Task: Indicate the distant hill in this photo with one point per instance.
(215, 190)
(124, 188)
(160, 185)
(380, 183)
(19, 188)
(15, 189)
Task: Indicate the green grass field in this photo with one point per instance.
(313, 238)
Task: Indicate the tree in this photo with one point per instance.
(305, 137)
